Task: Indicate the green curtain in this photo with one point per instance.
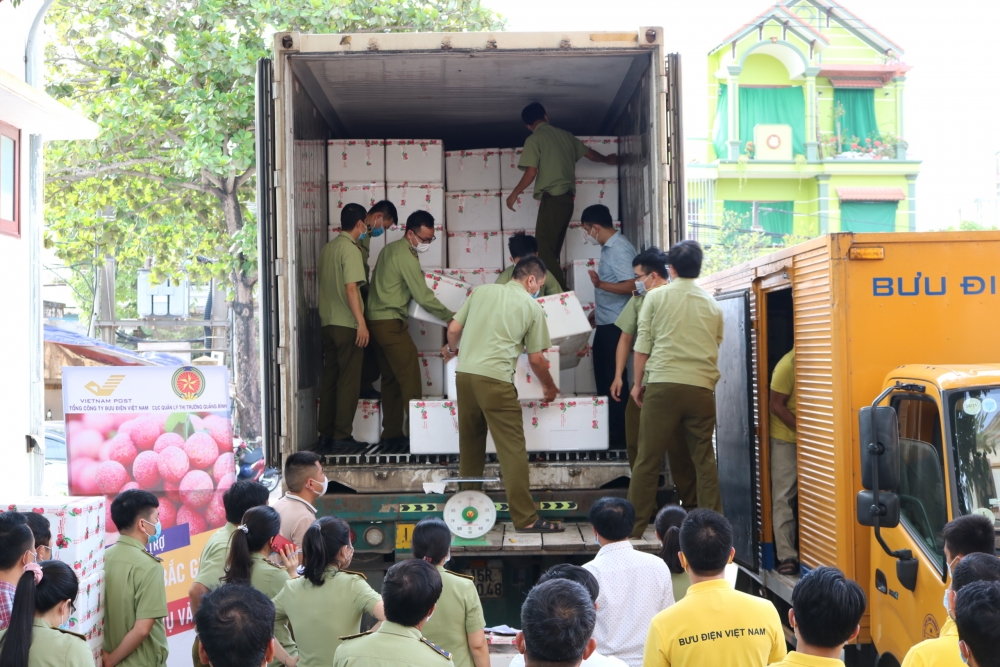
(743, 210)
(859, 114)
(868, 216)
(776, 217)
(779, 106)
(720, 133)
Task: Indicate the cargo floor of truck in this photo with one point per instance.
(503, 540)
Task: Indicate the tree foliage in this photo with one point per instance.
(735, 244)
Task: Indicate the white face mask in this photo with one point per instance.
(640, 287)
(423, 247)
(326, 485)
(589, 238)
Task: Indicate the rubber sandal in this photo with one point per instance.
(789, 567)
(542, 526)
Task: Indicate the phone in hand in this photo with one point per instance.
(279, 543)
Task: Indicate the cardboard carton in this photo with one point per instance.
(605, 146)
(355, 160)
(414, 161)
(576, 247)
(426, 336)
(477, 211)
(571, 424)
(470, 250)
(584, 381)
(451, 293)
(596, 191)
(434, 258)
(471, 276)
(343, 193)
(525, 213)
(449, 379)
(510, 175)
(77, 526)
(87, 618)
(368, 421)
(473, 170)
(568, 326)
(412, 197)
(567, 382)
(434, 427)
(431, 374)
(578, 278)
(527, 384)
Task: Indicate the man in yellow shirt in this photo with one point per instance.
(826, 614)
(784, 473)
(942, 651)
(713, 624)
(977, 615)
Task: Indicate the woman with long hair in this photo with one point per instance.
(328, 601)
(43, 604)
(668, 532)
(458, 622)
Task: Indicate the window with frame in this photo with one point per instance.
(10, 180)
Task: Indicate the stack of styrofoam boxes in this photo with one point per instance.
(525, 214)
(472, 205)
(78, 528)
(428, 331)
(355, 174)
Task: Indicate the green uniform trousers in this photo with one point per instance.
(682, 471)
(340, 383)
(487, 403)
(550, 232)
(369, 365)
(397, 361)
(669, 410)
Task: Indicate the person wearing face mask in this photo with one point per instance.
(977, 615)
(306, 482)
(16, 551)
(327, 602)
(523, 245)
(458, 622)
(380, 217)
(411, 590)
(342, 278)
(36, 636)
(397, 278)
(135, 594)
(498, 323)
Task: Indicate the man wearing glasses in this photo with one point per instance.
(397, 278)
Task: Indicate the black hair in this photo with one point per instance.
(529, 266)
(387, 209)
(975, 567)
(235, 624)
(15, 539)
(262, 523)
(532, 113)
(298, 468)
(685, 256)
(575, 573)
(130, 506)
(612, 518)
(58, 583)
(557, 620)
(652, 260)
(828, 607)
(40, 528)
(410, 590)
(522, 245)
(597, 214)
(241, 496)
(419, 219)
(321, 546)
(352, 215)
(668, 527)
(977, 615)
(706, 539)
(970, 534)
(431, 540)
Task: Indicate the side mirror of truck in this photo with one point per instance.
(881, 450)
(887, 509)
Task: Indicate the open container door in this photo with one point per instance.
(734, 432)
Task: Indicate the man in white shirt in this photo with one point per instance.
(306, 482)
(634, 586)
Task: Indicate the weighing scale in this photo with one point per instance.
(470, 515)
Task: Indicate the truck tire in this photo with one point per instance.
(865, 655)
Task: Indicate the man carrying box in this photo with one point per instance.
(397, 278)
(502, 321)
(520, 246)
(551, 154)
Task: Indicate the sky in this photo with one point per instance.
(951, 96)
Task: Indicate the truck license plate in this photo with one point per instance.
(489, 582)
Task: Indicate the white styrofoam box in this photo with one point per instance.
(414, 160)
(571, 424)
(525, 213)
(576, 247)
(355, 160)
(568, 325)
(567, 381)
(596, 191)
(411, 197)
(584, 372)
(367, 421)
(434, 427)
(471, 276)
(471, 250)
(473, 170)
(507, 233)
(451, 293)
(431, 374)
(434, 258)
(477, 211)
(426, 336)
(87, 618)
(344, 193)
(526, 383)
(605, 146)
(450, 369)
(578, 278)
(77, 526)
(510, 175)
(375, 248)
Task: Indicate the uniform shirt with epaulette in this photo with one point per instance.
(321, 615)
(51, 647)
(134, 590)
(458, 614)
(391, 644)
(212, 566)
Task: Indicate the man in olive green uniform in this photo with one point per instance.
(345, 333)
(397, 278)
(550, 155)
(676, 369)
(520, 246)
(135, 595)
(410, 592)
(380, 217)
(498, 323)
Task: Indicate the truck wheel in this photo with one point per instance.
(865, 655)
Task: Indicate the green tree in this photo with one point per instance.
(737, 244)
(171, 84)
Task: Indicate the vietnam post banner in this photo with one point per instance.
(166, 430)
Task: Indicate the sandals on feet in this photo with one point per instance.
(542, 526)
(789, 566)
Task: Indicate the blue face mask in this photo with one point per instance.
(363, 235)
(535, 295)
(155, 536)
(377, 232)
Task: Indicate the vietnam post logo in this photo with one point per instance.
(938, 286)
(105, 389)
(188, 383)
